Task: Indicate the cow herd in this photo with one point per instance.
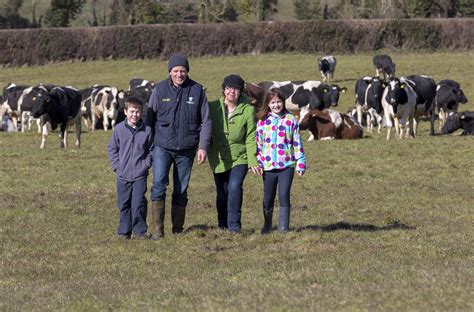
(385, 100)
(380, 101)
(65, 105)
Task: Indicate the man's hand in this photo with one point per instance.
(201, 156)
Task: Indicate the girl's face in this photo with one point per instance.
(276, 105)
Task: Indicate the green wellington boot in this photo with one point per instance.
(157, 219)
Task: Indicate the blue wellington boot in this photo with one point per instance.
(268, 218)
(284, 221)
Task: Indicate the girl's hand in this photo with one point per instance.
(300, 173)
(258, 171)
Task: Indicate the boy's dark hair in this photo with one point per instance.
(133, 101)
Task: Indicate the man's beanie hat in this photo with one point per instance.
(234, 81)
(178, 60)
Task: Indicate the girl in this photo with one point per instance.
(279, 147)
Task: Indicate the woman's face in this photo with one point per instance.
(276, 105)
(231, 94)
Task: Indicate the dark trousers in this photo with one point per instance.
(182, 161)
(271, 179)
(132, 204)
(229, 197)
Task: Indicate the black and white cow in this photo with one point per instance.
(384, 66)
(139, 82)
(60, 106)
(399, 104)
(301, 96)
(87, 98)
(425, 88)
(327, 67)
(143, 93)
(455, 121)
(368, 98)
(27, 100)
(448, 96)
(101, 102)
(11, 95)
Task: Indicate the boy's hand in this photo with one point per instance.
(201, 156)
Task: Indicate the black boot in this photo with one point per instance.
(268, 218)
(178, 214)
(157, 219)
(284, 222)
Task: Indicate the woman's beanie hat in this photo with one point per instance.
(178, 60)
(234, 81)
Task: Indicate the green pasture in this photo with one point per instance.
(376, 225)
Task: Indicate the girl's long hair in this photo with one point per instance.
(263, 112)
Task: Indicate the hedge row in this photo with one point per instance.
(39, 46)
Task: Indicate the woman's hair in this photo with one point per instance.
(273, 92)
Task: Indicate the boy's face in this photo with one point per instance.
(133, 113)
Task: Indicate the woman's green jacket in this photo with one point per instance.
(233, 139)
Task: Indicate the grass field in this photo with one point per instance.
(376, 225)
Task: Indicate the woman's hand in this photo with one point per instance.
(257, 170)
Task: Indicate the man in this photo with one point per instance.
(178, 113)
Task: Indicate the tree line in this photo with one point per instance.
(62, 13)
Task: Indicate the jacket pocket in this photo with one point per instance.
(192, 137)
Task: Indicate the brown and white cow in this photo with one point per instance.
(329, 124)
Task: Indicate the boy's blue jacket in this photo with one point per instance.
(130, 151)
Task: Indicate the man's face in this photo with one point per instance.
(178, 75)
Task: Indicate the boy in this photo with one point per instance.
(129, 151)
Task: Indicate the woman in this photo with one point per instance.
(232, 150)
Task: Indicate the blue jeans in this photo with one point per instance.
(229, 197)
(182, 161)
(282, 178)
(132, 204)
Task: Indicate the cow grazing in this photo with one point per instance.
(455, 121)
(139, 82)
(399, 104)
(448, 96)
(384, 66)
(60, 106)
(425, 88)
(327, 67)
(368, 98)
(329, 124)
